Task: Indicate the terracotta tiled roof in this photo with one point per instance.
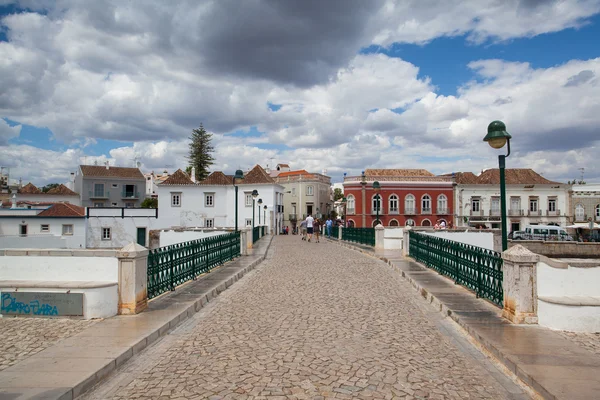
(283, 165)
(111, 172)
(217, 178)
(256, 176)
(291, 173)
(29, 189)
(398, 172)
(513, 177)
(465, 178)
(178, 178)
(62, 190)
(63, 210)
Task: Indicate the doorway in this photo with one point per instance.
(141, 236)
(515, 226)
(309, 209)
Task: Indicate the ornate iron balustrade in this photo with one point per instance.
(359, 235)
(473, 267)
(173, 265)
(255, 234)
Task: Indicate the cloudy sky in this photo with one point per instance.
(341, 85)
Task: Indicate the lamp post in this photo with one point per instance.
(239, 174)
(497, 137)
(344, 209)
(377, 189)
(363, 184)
(265, 214)
(254, 196)
(259, 203)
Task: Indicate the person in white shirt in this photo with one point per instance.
(309, 226)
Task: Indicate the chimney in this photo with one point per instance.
(193, 177)
(14, 201)
(107, 165)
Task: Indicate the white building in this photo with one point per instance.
(211, 202)
(531, 199)
(152, 180)
(114, 228)
(58, 226)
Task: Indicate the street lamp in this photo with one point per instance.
(239, 174)
(497, 137)
(377, 189)
(265, 214)
(254, 196)
(259, 203)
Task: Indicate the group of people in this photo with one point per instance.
(313, 226)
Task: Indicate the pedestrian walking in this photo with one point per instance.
(317, 229)
(328, 225)
(303, 229)
(309, 226)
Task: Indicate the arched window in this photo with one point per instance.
(426, 204)
(350, 204)
(376, 204)
(442, 204)
(409, 222)
(579, 212)
(350, 223)
(409, 204)
(426, 222)
(376, 222)
(393, 204)
(394, 223)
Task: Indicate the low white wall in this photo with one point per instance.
(168, 238)
(479, 239)
(393, 238)
(33, 265)
(569, 318)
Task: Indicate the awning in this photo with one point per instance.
(583, 225)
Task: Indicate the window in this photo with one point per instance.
(98, 189)
(393, 205)
(105, 233)
(552, 205)
(394, 223)
(376, 204)
(597, 212)
(209, 199)
(495, 205)
(426, 204)
(129, 191)
(426, 222)
(579, 212)
(99, 204)
(442, 204)
(475, 205)
(175, 199)
(116, 185)
(22, 230)
(248, 221)
(249, 200)
(409, 205)
(293, 191)
(67, 229)
(309, 190)
(350, 204)
(515, 203)
(209, 223)
(533, 204)
(113, 204)
(409, 222)
(45, 228)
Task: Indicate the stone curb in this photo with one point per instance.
(507, 361)
(101, 374)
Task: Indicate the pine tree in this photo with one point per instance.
(201, 152)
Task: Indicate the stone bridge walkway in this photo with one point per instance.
(315, 320)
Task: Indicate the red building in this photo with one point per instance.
(407, 196)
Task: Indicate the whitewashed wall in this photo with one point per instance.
(479, 239)
(123, 230)
(10, 238)
(393, 238)
(49, 198)
(168, 238)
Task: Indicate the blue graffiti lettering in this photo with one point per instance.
(12, 306)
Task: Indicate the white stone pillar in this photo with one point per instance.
(406, 240)
(133, 279)
(340, 232)
(379, 237)
(519, 284)
(245, 240)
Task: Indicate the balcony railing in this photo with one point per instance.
(410, 211)
(513, 212)
(425, 210)
(476, 213)
(535, 213)
(350, 211)
(581, 218)
(130, 195)
(597, 217)
(99, 195)
(293, 217)
(394, 210)
(375, 212)
(495, 213)
(555, 213)
(442, 210)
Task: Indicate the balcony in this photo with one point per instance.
(425, 210)
(476, 213)
(350, 211)
(495, 213)
(375, 212)
(513, 212)
(130, 195)
(99, 195)
(581, 218)
(442, 211)
(410, 211)
(597, 218)
(555, 213)
(293, 217)
(536, 213)
(394, 210)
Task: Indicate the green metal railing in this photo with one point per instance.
(255, 234)
(359, 235)
(335, 232)
(173, 265)
(476, 268)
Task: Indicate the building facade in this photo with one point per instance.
(211, 203)
(60, 194)
(585, 203)
(531, 199)
(106, 186)
(304, 193)
(412, 197)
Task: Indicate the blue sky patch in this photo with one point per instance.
(273, 107)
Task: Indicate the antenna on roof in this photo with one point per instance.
(582, 171)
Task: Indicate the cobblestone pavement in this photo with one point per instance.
(589, 341)
(313, 321)
(23, 337)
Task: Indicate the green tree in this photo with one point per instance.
(201, 152)
(333, 215)
(337, 194)
(49, 186)
(150, 202)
